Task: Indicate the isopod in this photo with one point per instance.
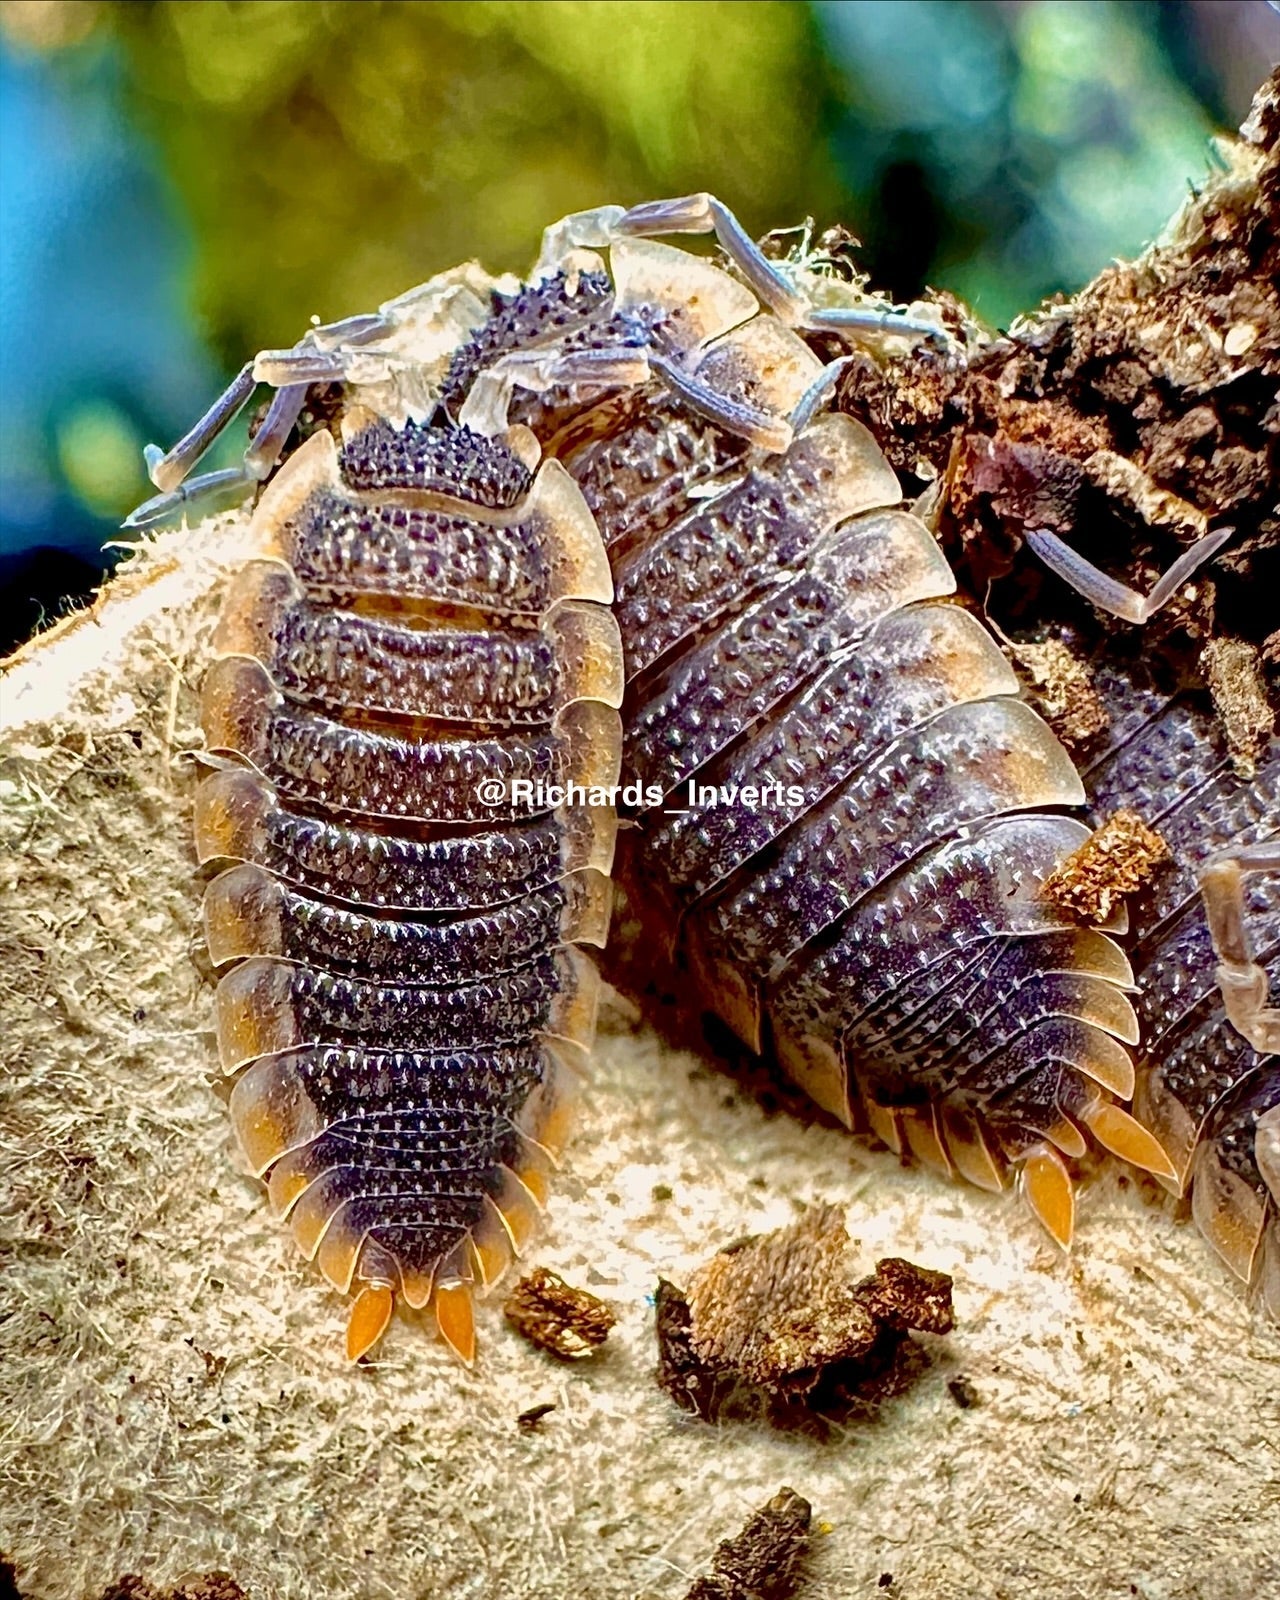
(848, 811)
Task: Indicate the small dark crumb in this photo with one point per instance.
(1076, 1498)
(963, 1393)
(661, 1191)
(214, 1366)
(528, 1421)
(772, 1326)
(549, 1313)
(207, 1586)
(885, 1580)
(763, 1561)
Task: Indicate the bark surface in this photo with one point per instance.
(172, 1388)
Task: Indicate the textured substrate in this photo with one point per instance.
(172, 1394)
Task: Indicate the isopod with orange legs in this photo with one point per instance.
(426, 612)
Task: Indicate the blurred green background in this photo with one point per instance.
(182, 183)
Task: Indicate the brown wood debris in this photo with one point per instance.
(1062, 689)
(208, 1586)
(1233, 668)
(1111, 863)
(764, 1560)
(531, 1420)
(1128, 421)
(773, 1325)
(556, 1317)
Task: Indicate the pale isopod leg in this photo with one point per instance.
(871, 319)
(703, 213)
(485, 409)
(581, 230)
(1108, 593)
(301, 365)
(264, 452)
(1243, 982)
(167, 469)
(238, 483)
(363, 328)
(759, 428)
(316, 358)
(819, 392)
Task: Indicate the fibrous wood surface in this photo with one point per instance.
(173, 1398)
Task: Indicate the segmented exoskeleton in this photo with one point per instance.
(423, 621)
(854, 881)
(1204, 936)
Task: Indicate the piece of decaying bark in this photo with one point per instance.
(763, 1561)
(773, 1325)
(552, 1314)
(208, 1586)
(1060, 686)
(1113, 862)
(1127, 420)
(1233, 668)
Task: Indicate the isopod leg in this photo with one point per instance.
(819, 392)
(1108, 593)
(362, 328)
(759, 428)
(168, 470)
(269, 441)
(315, 358)
(703, 213)
(283, 368)
(162, 506)
(485, 409)
(1243, 982)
